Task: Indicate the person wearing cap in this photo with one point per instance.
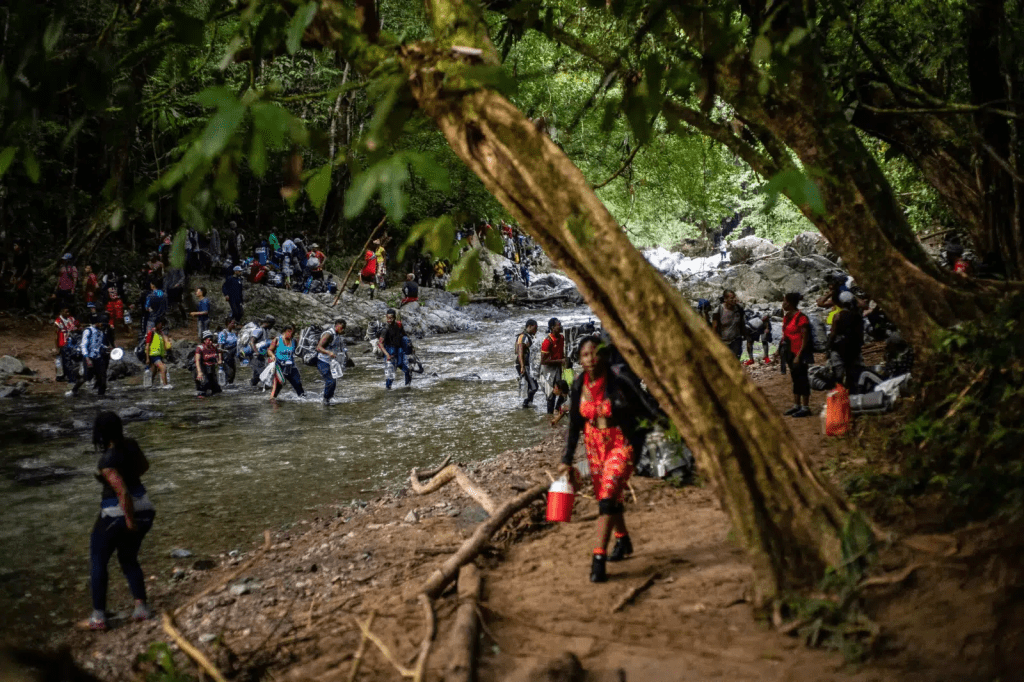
(232, 290)
(391, 342)
(227, 339)
(259, 341)
(283, 349)
(67, 282)
(207, 359)
(552, 361)
(845, 340)
(330, 345)
(97, 340)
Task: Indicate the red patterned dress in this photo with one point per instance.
(609, 453)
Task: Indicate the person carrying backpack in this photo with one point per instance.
(527, 384)
(327, 349)
(156, 346)
(729, 322)
(798, 353)
(845, 341)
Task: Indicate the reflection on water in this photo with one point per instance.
(226, 468)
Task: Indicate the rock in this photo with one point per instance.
(207, 637)
(238, 589)
(694, 248)
(812, 243)
(127, 366)
(11, 365)
(411, 517)
(744, 249)
(178, 574)
(204, 565)
(180, 554)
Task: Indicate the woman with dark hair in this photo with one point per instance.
(126, 515)
(614, 418)
(799, 353)
(283, 350)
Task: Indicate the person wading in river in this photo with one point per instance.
(97, 340)
(283, 349)
(527, 384)
(390, 341)
(259, 341)
(207, 359)
(126, 515)
(614, 420)
(327, 349)
(227, 339)
(552, 361)
(157, 344)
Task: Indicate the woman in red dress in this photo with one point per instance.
(614, 417)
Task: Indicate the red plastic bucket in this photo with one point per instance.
(560, 499)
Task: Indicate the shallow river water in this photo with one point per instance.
(226, 468)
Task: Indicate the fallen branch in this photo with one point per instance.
(462, 660)
(420, 475)
(231, 576)
(633, 592)
(392, 659)
(361, 649)
(471, 547)
(892, 578)
(195, 654)
(445, 476)
(430, 629)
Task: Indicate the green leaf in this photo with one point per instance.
(798, 187)
(52, 34)
(258, 153)
(297, 26)
(467, 272)
(178, 248)
(360, 191)
(319, 186)
(225, 183)
(31, 164)
(393, 176)
(438, 235)
(761, 50)
(273, 120)
(433, 173)
(6, 158)
(188, 29)
(222, 126)
(493, 241)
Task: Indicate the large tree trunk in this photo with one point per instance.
(784, 514)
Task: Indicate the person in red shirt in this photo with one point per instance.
(798, 354)
(368, 274)
(90, 286)
(67, 282)
(66, 324)
(552, 360)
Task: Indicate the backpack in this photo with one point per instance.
(149, 337)
(819, 336)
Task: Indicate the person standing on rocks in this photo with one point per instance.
(97, 340)
(22, 265)
(330, 344)
(126, 515)
(259, 342)
(156, 304)
(67, 282)
(606, 410)
(527, 384)
(227, 339)
(391, 342)
(202, 312)
(232, 290)
(207, 359)
(552, 361)
(798, 353)
(90, 285)
(283, 349)
(729, 322)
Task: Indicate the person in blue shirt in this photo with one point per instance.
(227, 340)
(156, 304)
(97, 340)
(202, 312)
(283, 350)
(232, 290)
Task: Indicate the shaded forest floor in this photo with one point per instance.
(948, 605)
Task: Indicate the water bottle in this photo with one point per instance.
(147, 378)
(59, 366)
(222, 377)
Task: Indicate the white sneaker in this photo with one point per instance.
(166, 386)
(68, 394)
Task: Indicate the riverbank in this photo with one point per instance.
(292, 613)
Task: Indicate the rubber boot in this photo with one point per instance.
(623, 548)
(598, 573)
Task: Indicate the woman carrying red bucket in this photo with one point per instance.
(607, 407)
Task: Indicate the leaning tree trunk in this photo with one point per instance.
(784, 514)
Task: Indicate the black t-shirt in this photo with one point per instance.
(849, 334)
(411, 289)
(127, 460)
(392, 335)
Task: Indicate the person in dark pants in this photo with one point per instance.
(207, 359)
(327, 349)
(552, 361)
(258, 344)
(227, 339)
(799, 353)
(67, 282)
(390, 341)
(283, 349)
(97, 340)
(232, 290)
(845, 340)
(126, 515)
(527, 384)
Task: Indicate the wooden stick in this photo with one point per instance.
(462, 664)
(353, 266)
(471, 547)
(430, 629)
(361, 649)
(445, 476)
(402, 670)
(192, 652)
(430, 473)
(631, 491)
(234, 574)
(629, 596)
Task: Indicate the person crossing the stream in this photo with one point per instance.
(207, 360)
(259, 341)
(391, 342)
(552, 361)
(227, 339)
(283, 350)
(330, 346)
(527, 384)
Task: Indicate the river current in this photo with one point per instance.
(226, 468)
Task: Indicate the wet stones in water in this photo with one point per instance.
(13, 391)
(44, 474)
(180, 554)
(137, 414)
(12, 365)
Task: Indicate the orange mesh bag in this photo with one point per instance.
(838, 419)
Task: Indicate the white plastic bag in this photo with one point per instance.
(267, 375)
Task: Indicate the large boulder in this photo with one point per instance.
(127, 366)
(12, 365)
(750, 286)
(812, 244)
(747, 248)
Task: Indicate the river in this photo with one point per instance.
(226, 468)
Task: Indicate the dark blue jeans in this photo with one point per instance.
(329, 382)
(398, 360)
(109, 535)
(292, 376)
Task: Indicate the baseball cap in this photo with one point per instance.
(237, 268)
(67, 256)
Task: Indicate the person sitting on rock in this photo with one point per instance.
(410, 290)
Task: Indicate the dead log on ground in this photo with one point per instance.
(471, 547)
(461, 665)
(632, 593)
(430, 473)
(445, 476)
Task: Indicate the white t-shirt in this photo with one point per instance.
(333, 345)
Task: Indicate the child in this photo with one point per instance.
(202, 313)
(561, 392)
